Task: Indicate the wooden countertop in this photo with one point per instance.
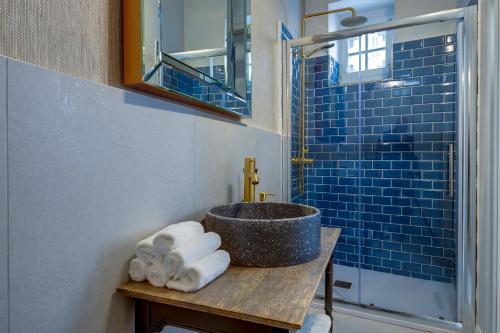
(278, 296)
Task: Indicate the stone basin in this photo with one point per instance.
(267, 234)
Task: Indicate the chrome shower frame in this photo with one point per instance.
(466, 138)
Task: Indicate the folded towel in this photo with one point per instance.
(317, 323)
(138, 269)
(176, 234)
(157, 275)
(190, 252)
(202, 272)
(145, 250)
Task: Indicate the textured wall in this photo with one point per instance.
(93, 169)
(3, 199)
(81, 38)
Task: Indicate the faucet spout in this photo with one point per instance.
(250, 178)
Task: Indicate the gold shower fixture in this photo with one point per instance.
(301, 160)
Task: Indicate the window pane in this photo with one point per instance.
(376, 59)
(353, 44)
(353, 63)
(376, 40)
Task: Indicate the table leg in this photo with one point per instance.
(142, 316)
(329, 291)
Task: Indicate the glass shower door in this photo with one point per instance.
(330, 181)
(381, 135)
(408, 197)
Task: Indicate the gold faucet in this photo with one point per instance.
(250, 179)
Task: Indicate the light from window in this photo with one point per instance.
(371, 54)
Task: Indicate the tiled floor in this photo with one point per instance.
(397, 293)
(347, 324)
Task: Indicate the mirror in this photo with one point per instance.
(167, 53)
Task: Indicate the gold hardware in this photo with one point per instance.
(263, 196)
(250, 179)
(302, 160)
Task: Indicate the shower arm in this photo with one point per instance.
(325, 12)
(302, 160)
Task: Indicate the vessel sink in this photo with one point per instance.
(267, 234)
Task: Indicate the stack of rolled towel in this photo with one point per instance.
(182, 257)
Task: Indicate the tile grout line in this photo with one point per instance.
(7, 190)
(194, 165)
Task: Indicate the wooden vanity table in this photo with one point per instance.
(243, 300)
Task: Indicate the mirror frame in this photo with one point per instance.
(133, 67)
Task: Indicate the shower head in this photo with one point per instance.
(353, 21)
(324, 47)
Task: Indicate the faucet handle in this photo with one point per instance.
(254, 179)
(263, 196)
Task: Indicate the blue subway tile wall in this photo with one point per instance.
(381, 160)
(179, 81)
(218, 72)
(297, 197)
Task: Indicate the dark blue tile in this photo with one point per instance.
(424, 52)
(395, 101)
(443, 49)
(441, 69)
(422, 90)
(422, 71)
(411, 267)
(429, 99)
(398, 56)
(397, 47)
(402, 73)
(422, 108)
(414, 44)
(401, 92)
(433, 41)
(391, 263)
(435, 60)
(411, 63)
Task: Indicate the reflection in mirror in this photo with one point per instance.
(199, 48)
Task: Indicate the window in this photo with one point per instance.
(366, 57)
(371, 57)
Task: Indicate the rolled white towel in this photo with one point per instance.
(190, 252)
(317, 323)
(138, 269)
(157, 275)
(176, 234)
(145, 250)
(202, 272)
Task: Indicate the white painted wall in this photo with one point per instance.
(410, 8)
(172, 26)
(266, 67)
(204, 24)
(93, 169)
(488, 255)
(190, 25)
(402, 9)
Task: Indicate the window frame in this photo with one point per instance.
(367, 74)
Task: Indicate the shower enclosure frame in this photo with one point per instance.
(466, 138)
